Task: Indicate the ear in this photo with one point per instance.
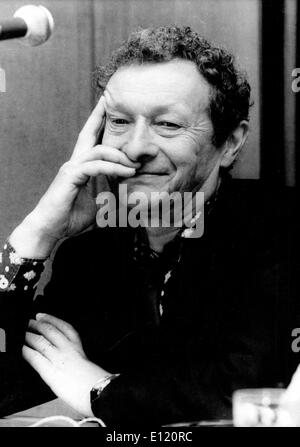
(234, 144)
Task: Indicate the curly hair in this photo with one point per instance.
(230, 90)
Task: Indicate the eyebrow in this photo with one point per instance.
(156, 110)
(117, 106)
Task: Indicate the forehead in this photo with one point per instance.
(168, 85)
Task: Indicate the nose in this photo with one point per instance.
(140, 145)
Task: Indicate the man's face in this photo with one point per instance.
(157, 114)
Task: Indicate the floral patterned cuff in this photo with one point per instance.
(17, 273)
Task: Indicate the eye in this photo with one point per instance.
(119, 121)
(168, 125)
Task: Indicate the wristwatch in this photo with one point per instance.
(100, 385)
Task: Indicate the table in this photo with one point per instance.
(58, 407)
(36, 414)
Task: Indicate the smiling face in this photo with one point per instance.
(157, 114)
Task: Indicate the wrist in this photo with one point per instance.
(31, 240)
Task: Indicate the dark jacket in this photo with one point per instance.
(229, 313)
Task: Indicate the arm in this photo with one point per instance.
(18, 281)
(190, 378)
(189, 381)
(65, 209)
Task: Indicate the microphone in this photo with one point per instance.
(34, 24)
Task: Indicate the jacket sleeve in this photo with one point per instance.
(18, 280)
(20, 386)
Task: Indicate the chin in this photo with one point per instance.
(146, 191)
(146, 184)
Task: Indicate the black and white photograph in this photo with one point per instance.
(149, 176)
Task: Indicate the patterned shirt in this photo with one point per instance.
(18, 273)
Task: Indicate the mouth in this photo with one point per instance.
(138, 173)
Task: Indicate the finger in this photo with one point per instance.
(40, 344)
(41, 364)
(90, 131)
(49, 332)
(97, 167)
(78, 175)
(62, 326)
(107, 153)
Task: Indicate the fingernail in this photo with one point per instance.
(39, 316)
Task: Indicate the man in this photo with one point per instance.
(162, 327)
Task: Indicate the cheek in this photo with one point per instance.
(183, 152)
(194, 159)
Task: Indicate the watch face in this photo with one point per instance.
(96, 391)
(99, 386)
(94, 394)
